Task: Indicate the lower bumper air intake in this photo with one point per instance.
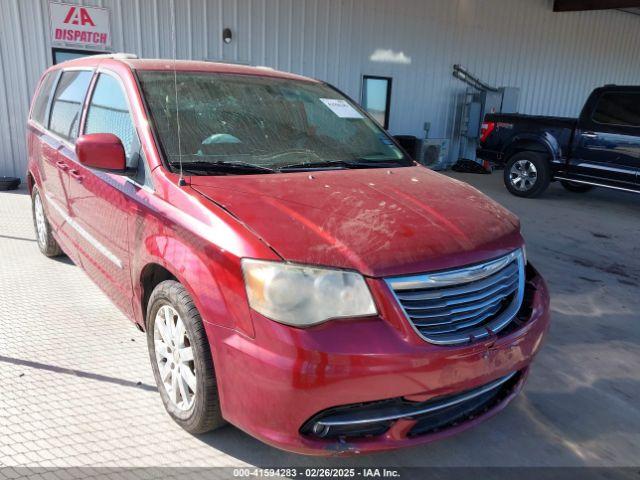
(375, 418)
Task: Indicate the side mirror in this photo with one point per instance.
(103, 151)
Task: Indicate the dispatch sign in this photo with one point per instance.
(79, 26)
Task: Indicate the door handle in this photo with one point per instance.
(75, 175)
(62, 166)
(589, 135)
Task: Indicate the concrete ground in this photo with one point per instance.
(77, 387)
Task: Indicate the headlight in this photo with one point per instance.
(302, 296)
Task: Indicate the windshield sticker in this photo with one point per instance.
(341, 108)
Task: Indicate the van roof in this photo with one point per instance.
(136, 63)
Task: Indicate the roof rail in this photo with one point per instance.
(117, 56)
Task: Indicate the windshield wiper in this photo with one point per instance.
(376, 158)
(343, 164)
(222, 167)
(328, 164)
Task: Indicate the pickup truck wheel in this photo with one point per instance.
(527, 174)
(46, 243)
(576, 187)
(181, 359)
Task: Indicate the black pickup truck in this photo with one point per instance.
(601, 148)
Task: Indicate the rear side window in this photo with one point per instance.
(42, 100)
(67, 103)
(618, 108)
(109, 113)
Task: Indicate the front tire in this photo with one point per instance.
(576, 187)
(181, 359)
(44, 238)
(527, 174)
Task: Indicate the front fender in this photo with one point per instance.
(200, 244)
(212, 278)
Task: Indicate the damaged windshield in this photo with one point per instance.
(234, 124)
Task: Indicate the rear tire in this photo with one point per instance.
(44, 238)
(527, 174)
(181, 359)
(576, 187)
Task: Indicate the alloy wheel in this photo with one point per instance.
(41, 227)
(174, 356)
(523, 175)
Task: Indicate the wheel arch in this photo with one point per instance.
(30, 182)
(151, 276)
(546, 145)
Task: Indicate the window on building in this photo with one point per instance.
(618, 108)
(39, 112)
(67, 103)
(63, 54)
(376, 98)
(109, 113)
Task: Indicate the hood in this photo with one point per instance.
(378, 221)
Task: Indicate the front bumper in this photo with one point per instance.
(274, 385)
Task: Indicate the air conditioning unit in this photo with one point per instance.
(435, 153)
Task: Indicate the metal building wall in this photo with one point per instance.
(555, 58)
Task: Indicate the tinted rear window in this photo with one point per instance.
(42, 100)
(67, 103)
(618, 108)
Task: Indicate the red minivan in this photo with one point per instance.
(296, 274)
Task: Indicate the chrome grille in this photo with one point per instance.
(462, 305)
